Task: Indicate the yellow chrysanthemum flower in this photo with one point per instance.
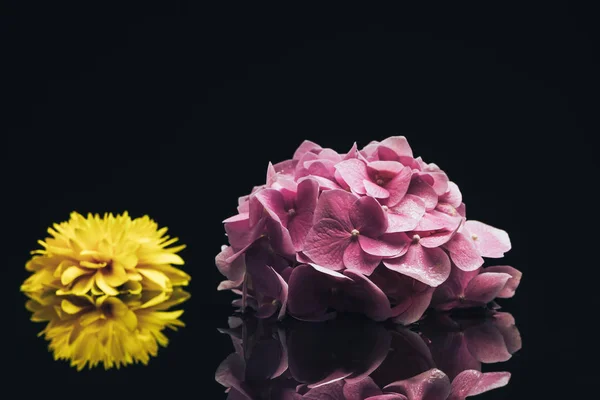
(106, 256)
(112, 330)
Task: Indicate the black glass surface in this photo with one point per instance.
(175, 111)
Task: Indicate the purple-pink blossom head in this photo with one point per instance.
(375, 230)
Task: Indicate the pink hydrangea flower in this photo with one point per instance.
(376, 215)
(350, 233)
(476, 288)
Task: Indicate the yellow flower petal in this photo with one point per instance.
(176, 276)
(161, 258)
(105, 287)
(159, 298)
(83, 285)
(93, 265)
(105, 248)
(70, 308)
(130, 320)
(132, 287)
(129, 261)
(134, 276)
(72, 273)
(115, 276)
(155, 276)
(89, 318)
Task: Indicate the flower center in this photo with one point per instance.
(355, 232)
(291, 212)
(474, 237)
(416, 238)
(380, 182)
(385, 208)
(107, 309)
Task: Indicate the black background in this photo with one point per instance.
(175, 111)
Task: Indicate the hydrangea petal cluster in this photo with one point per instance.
(103, 285)
(374, 230)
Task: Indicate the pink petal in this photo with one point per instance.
(331, 391)
(324, 168)
(486, 286)
(361, 390)
(340, 181)
(243, 204)
(327, 384)
(309, 291)
(449, 347)
(375, 190)
(398, 144)
(462, 210)
(405, 215)
(230, 373)
(385, 168)
(280, 238)
(356, 259)
(301, 165)
(303, 258)
(486, 344)
(305, 147)
(472, 382)
(283, 295)
(307, 195)
(231, 264)
(463, 252)
(367, 297)
(335, 204)
(299, 226)
(512, 284)
(324, 183)
(423, 190)
(326, 243)
(388, 244)
(447, 295)
(436, 239)
(353, 172)
(434, 220)
(419, 302)
(273, 203)
(286, 167)
(330, 155)
(429, 385)
(240, 233)
(440, 181)
(491, 242)
(398, 186)
(329, 272)
(352, 153)
(370, 150)
(229, 285)
(368, 217)
(453, 196)
(389, 396)
(430, 266)
(505, 323)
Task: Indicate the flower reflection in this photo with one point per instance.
(353, 358)
(109, 330)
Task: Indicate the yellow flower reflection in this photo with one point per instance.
(108, 330)
(101, 255)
